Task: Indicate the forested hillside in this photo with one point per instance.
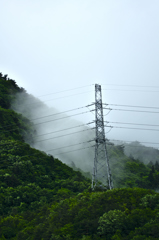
(43, 198)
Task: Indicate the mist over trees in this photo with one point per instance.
(54, 130)
(139, 151)
(42, 197)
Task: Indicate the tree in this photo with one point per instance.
(110, 222)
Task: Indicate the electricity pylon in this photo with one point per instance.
(101, 172)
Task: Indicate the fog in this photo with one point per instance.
(57, 133)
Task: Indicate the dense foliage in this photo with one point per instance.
(42, 198)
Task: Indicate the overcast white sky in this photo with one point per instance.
(53, 45)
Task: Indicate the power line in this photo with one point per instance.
(130, 141)
(65, 90)
(130, 106)
(129, 110)
(62, 118)
(48, 121)
(54, 114)
(82, 125)
(127, 143)
(67, 96)
(86, 112)
(147, 129)
(123, 85)
(64, 135)
(29, 96)
(140, 124)
(134, 146)
(69, 146)
(74, 150)
(39, 101)
(128, 90)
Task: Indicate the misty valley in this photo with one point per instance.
(46, 164)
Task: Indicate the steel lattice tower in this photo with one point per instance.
(101, 171)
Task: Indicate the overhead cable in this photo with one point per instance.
(74, 150)
(128, 90)
(130, 141)
(69, 146)
(67, 90)
(129, 110)
(140, 124)
(46, 121)
(82, 125)
(54, 114)
(62, 118)
(110, 104)
(123, 85)
(61, 130)
(65, 135)
(147, 129)
(39, 101)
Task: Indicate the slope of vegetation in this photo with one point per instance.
(42, 198)
(131, 172)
